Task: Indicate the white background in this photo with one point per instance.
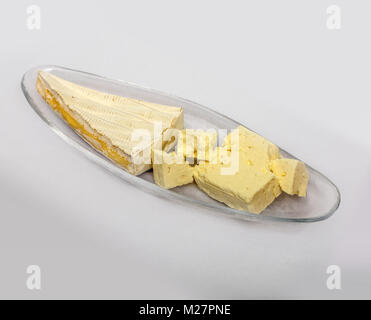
(272, 65)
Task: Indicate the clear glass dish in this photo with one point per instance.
(323, 197)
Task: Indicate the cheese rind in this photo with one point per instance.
(109, 122)
(196, 144)
(252, 186)
(292, 175)
(171, 171)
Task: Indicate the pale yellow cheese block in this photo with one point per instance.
(112, 124)
(259, 150)
(170, 170)
(196, 144)
(292, 175)
(251, 186)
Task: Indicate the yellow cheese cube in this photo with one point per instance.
(292, 175)
(196, 144)
(170, 170)
(250, 185)
(258, 149)
(248, 190)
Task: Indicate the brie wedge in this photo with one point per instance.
(124, 129)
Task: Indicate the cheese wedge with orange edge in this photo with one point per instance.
(107, 122)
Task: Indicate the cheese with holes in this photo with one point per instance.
(258, 150)
(240, 175)
(123, 129)
(292, 175)
(170, 170)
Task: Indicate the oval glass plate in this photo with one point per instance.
(322, 199)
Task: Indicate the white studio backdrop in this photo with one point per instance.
(291, 70)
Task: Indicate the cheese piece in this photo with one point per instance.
(292, 175)
(171, 171)
(196, 144)
(123, 129)
(250, 186)
(259, 150)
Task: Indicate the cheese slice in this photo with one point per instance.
(250, 185)
(292, 175)
(196, 144)
(170, 170)
(123, 129)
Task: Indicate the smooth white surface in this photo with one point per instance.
(272, 63)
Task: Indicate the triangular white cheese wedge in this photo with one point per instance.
(112, 124)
